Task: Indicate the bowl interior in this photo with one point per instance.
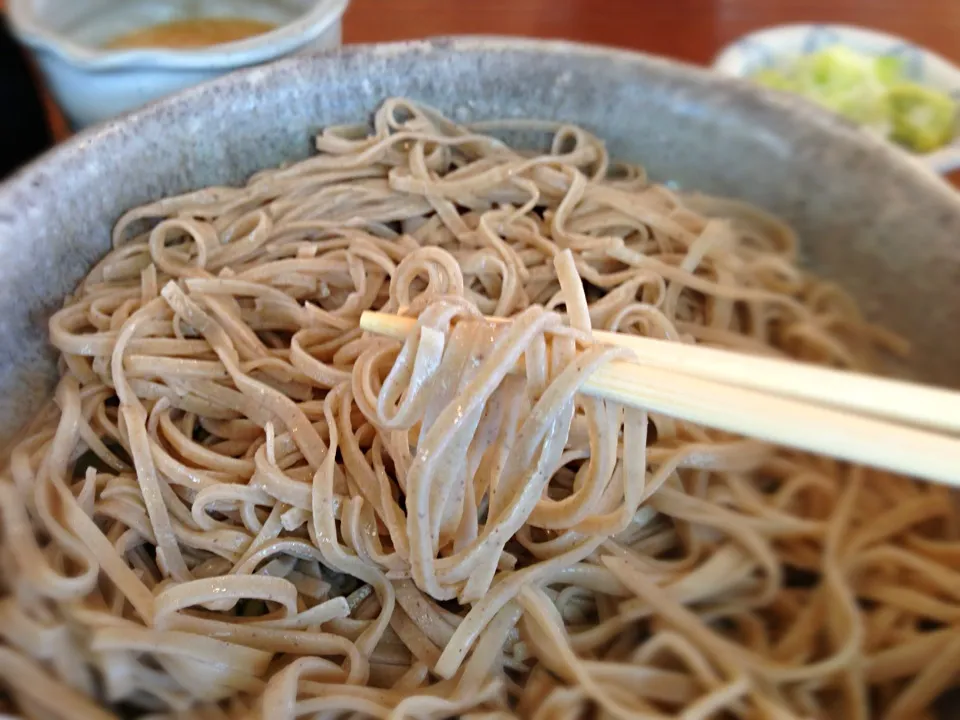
(867, 217)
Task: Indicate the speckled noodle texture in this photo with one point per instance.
(867, 215)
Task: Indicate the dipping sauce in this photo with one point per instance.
(193, 33)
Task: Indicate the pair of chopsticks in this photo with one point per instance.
(881, 423)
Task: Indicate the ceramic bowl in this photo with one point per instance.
(768, 48)
(867, 217)
(92, 84)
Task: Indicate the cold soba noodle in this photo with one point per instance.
(241, 506)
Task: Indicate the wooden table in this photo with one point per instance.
(693, 30)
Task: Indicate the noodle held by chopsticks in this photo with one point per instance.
(238, 505)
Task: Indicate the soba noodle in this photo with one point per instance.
(239, 505)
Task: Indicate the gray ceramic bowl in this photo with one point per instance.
(868, 216)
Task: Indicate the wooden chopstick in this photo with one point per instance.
(800, 424)
(906, 402)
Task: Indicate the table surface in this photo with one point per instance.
(692, 30)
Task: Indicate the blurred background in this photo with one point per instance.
(690, 30)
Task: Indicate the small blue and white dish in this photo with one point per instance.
(772, 47)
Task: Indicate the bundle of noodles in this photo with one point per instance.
(241, 506)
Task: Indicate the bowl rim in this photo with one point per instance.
(786, 109)
(33, 32)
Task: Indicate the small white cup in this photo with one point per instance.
(92, 83)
